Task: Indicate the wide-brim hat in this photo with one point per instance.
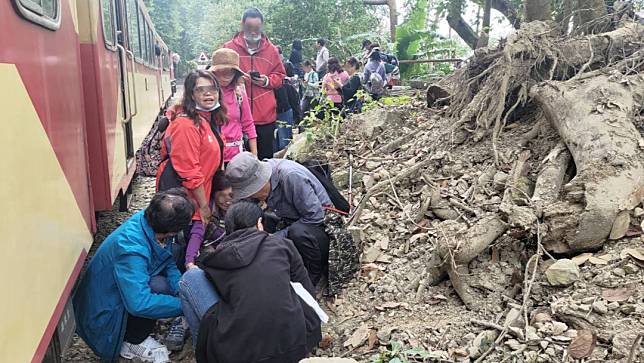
(225, 58)
(247, 175)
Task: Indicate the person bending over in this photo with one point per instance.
(295, 195)
(243, 300)
(132, 281)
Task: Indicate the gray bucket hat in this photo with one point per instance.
(247, 175)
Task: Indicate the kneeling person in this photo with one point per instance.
(256, 316)
(132, 281)
(295, 195)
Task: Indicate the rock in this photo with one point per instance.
(558, 327)
(619, 272)
(514, 318)
(384, 334)
(638, 212)
(571, 333)
(482, 343)
(531, 356)
(613, 306)
(551, 351)
(500, 178)
(623, 341)
(468, 338)
(564, 272)
(514, 344)
(298, 148)
(600, 307)
(372, 165)
(631, 269)
(620, 226)
(531, 335)
(628, 309)
(377, 119)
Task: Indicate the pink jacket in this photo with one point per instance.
(330, 84)
(238, 124)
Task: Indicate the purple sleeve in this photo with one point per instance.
(194, 243)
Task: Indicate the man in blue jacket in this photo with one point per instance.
(132, 281)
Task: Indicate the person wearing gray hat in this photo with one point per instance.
(295, 195)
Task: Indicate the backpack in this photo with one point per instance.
(323, 175)
(148, 157)
(375, 83)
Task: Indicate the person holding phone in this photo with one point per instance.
(259, 58)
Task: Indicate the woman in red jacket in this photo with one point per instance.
(193, 145)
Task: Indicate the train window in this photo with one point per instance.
(108, 22)
(42, 12)
(133, 28)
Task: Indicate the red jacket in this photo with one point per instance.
(196, 153)
(267, 62)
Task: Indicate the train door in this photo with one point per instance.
(127, 82)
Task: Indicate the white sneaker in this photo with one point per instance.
(149, 350)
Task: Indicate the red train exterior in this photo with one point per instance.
(82, 82)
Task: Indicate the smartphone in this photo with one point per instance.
(255, 75)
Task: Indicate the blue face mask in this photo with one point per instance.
(214, 107)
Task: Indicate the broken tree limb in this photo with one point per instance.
(551, 176)
(457, 248)
(593, 118)
(385, 183)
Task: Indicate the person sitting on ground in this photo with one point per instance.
(243, 293)
(225, 67)
(374, 74)
(333, 81)
(311, 88)
(214, 231)
(132, 281)
(351, 103)
(295, 195)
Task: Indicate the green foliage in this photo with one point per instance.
(416, 41)
(190, 27)
(396, 353)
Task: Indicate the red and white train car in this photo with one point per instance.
(81, 83)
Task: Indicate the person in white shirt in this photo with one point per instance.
(322, 58)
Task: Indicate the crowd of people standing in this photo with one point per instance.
(240, 279)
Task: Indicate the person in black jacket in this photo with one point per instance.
(289, 112)
(296, 57)
(259, 316)
(351, 103)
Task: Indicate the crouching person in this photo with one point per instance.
(295, 195)
(243, 299)
(132, 281)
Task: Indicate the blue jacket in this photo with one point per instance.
(116, 282)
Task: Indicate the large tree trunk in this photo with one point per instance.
(464, 30)
(484, 36)
(508, 10)
(593, 117)
(537, 10)
(588, 14)
(393, 14)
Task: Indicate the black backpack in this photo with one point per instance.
(323, 174)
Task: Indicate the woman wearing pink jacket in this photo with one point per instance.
(225, 67)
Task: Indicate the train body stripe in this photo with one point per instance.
(43, 229)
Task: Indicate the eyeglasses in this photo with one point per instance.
(202, 90)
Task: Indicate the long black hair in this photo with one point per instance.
(242, 215)
(189, 104)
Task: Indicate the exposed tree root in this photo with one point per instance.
(593, 118)
(457, 248)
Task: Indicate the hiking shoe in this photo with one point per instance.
(148, 351)
(176, 336)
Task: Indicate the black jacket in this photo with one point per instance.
(288, 99)
(259, 318)
(350, 88)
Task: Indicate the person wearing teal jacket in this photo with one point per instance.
(132, 281)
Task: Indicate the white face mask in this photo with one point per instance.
(214, 107)
(252, 38)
